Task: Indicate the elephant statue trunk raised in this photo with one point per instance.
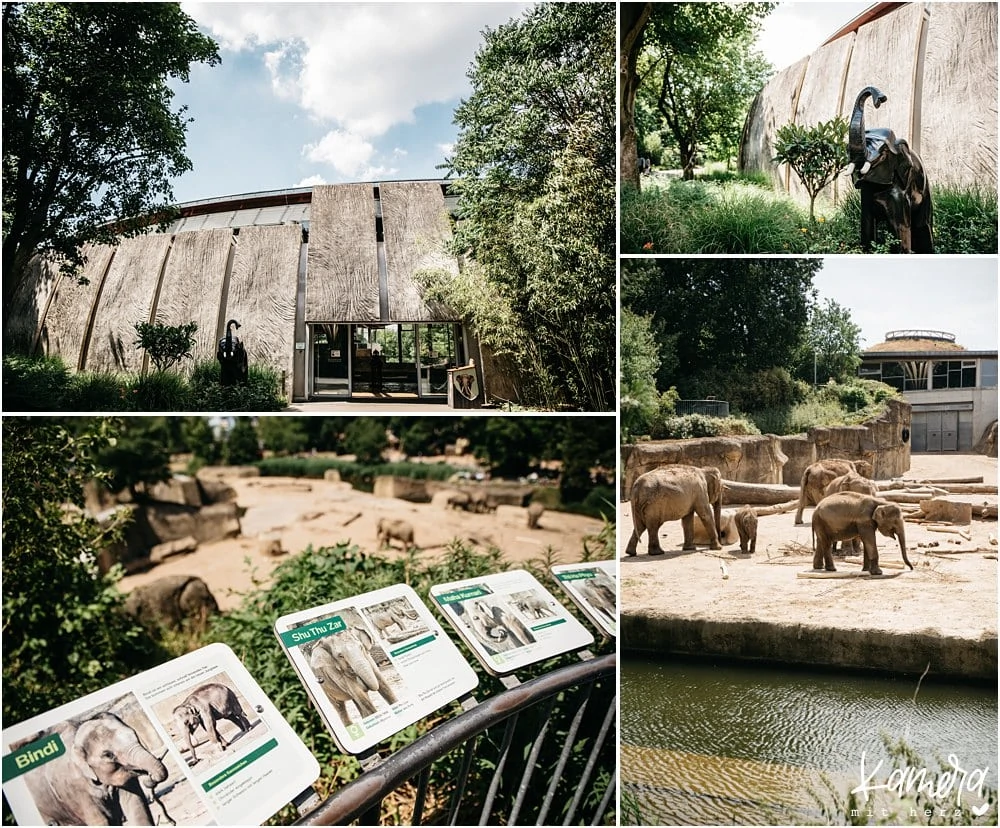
(894, 187)
(232, 356)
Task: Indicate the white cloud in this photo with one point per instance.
(794, 30)
(360, 67)
(311, 181)
(446, 149)
(347, 153)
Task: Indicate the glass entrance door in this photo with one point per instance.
(438, 353)
(330, 360)
(397, 347)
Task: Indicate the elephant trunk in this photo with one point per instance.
(142, 762)
(901, 537)
(856, 133)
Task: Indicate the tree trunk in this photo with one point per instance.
(634, 17)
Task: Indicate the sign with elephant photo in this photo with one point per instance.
(374, 664)
(593, 587)
(192, 742)
(509, 620)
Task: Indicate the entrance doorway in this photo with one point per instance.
(400, 360)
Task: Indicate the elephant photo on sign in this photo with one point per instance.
(600, 593)
(356, 674)
(207, 720)
(108, 773)
(493, 625)
(533, 606)
(394, 620)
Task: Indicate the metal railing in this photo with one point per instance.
(567, 693)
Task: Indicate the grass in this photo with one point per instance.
(724, 215)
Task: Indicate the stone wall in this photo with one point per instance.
(770, 459)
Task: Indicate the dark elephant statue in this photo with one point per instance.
(894, 187)
(97, 780)
(203, 708)
(232, 355)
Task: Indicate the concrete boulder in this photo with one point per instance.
(172, 601)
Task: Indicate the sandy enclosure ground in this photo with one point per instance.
(952, 594)
(323, 513)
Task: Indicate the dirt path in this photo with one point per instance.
(322, 513)
(952, 595)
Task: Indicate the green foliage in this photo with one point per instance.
(535, 169)
(159, 391)
(242, 444)
(91, 143)
(700, 425)
(282, 435)
(832, 348)
(366, 440)
(166, 344)
(100, 391)
(263, 391)
(816, 154)
(965, 219)
(199, 439)
(834, 404)
(137, 455)
(639, 363)
(34, 384)
(359, 475)
(64, 632)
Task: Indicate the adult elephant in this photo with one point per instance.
(848, 515)
(203, 708)
(676, 493)
(498, 629)
(852, 482)
(894, 187)
(344, 666)
(97, 780)
(401, 530)
(819, 475)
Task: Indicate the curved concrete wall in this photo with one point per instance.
(936, 63)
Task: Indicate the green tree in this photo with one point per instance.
(721, 316)
(283, 435)
(535, 163)
(816, 154)
(242, 443)
(165, 344)
(584, 446)
(138, 456)
(200, 440)
(640, 361)
(703, 95)
(690, 31)
(366, 439)
(832, 347)
(64, 634)
(90, 142)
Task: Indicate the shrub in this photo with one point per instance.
(165, 344)
(746, 219)
(816, 154)
(35, 383)
(261, 393)
(965, 220)
(159, 391)
(700, 425)
(100, 391)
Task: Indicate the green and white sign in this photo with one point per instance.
(593, 587)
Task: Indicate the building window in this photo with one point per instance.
(988, 373)
(892, 374)
(955, 373)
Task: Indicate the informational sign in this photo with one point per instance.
(509, 620)
(593, 587)
(374, 664)
(194, 741)
(463, 387)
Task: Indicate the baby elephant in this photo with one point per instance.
(401, 530)
(207, 704)
(535, 511)
(746, 526)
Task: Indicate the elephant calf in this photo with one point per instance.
(207, 704)
(847, 515)
(851, 482)
(676, 492)
(535, 512)
(746, 526)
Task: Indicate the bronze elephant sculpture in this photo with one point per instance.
(891, 179)
(847, 515)
(232, 356)
(675, 492)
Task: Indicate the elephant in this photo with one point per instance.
(171, 601)
(203, 707)
(394, 614)
(676, 492)
(479, 502)
(498, 629)
(819, 475)
(726, 527)
(846, 515)
(344, 667)
(532, 606)
(746, 526)
(851, 482)
(232, 357)
(535, 511)
(97, 780)
(457, 500)
(401, 530)
(599, 593)
(894, 187)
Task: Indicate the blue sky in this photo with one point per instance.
(888, 293)
(311, 93)
(794, 30)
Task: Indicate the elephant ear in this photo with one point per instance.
(364, 637)
(885, 518)
(79, 753)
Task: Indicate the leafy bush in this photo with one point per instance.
(700, 425)
(34, 383)
(965, 220)
(816, 154)
(98, 391)
(360, 475)
(165, 344)
(261, 393)
(159, 391)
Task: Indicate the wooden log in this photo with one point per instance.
(936, 481)
(987, 511)
(906, 497)
(757, 494)
(776, 509)
(950, 511)
(968, 488)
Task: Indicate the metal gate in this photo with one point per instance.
(580, 697)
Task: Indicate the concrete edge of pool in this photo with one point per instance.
(800, 644)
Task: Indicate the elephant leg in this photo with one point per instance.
(869, 209)
(818, 552)
(828, 558)
(633, 541)
(871, 556)
(707, 516)
(653, 533)
(753, 544)
(135, 807)
(687, 525)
